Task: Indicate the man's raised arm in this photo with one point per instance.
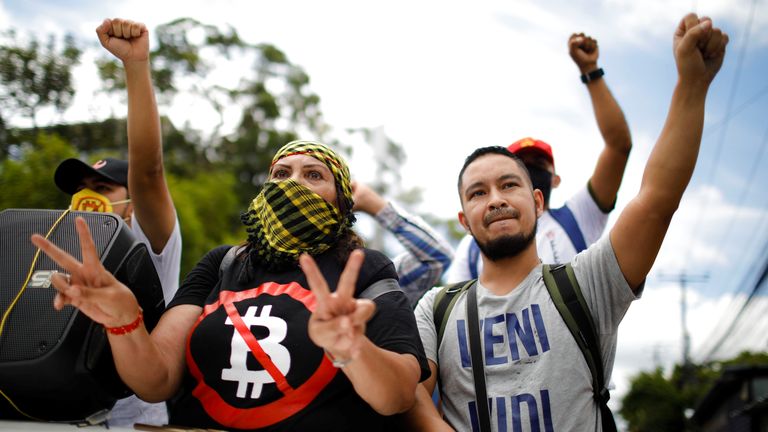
(699, 49)
(609, 170)
(129, 42)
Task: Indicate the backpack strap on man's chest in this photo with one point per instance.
(444, 301)
(441, 309)
(566, 294)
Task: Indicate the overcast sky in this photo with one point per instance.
(442, 78)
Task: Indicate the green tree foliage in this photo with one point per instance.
(176, 54)
(3, 137)
(34, 76)
(208, 210)
(212, 176)
(206, 204)
(658, 403)
(26, 179)
(653, 404)
(277, 104)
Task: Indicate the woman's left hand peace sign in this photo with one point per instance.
(89, 286)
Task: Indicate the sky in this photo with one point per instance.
(443, 78)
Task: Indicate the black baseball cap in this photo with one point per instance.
(70, 173)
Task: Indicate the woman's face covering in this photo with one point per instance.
(307, 171)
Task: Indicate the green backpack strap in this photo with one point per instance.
(441, 310)
(444, 301)
(566, 294)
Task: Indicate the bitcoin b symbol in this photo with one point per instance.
(278, 353)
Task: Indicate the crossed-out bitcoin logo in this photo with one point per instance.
(278, 354)
(274, 358)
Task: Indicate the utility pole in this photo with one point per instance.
(683, 279)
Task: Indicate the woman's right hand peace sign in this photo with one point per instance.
(88, 285)
(338, 323)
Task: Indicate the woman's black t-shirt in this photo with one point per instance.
(278, 379)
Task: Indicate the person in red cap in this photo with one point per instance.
(140, 194)
(565, 231)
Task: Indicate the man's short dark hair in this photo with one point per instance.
(482, 151)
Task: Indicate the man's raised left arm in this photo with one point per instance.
(699, 49)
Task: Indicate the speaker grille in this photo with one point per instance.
(56, 365)
(34, 327)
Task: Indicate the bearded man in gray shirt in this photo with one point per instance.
(535, 374)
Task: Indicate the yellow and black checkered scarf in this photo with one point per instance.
(287, 218)
(331, 159)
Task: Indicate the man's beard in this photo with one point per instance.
(508, 246)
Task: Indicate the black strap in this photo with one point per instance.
(586, 333)
(593, 75)
(586, 338)
(476, 352)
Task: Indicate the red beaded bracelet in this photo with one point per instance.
(121, 330)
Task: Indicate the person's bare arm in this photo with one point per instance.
(609, 169)
(152, 203)
(424, 415)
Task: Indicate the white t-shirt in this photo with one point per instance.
(536, 376)
(552, 242)
(131, 410)
(167, 262)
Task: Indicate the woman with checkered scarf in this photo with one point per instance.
(278, 338)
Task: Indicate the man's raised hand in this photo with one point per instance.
(699, 49)
(125, 39)
(584, 51)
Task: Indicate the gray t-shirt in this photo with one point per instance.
(536, 376)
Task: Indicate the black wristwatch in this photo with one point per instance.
(591, 76)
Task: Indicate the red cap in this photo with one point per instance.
(531, 144)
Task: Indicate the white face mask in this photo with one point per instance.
(88, 200)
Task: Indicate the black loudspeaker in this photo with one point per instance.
(57, 365)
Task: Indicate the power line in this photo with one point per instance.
(727, 321)
(742, 287)
(750, 185)
(729, 115)
(748, 334)
(763, 275)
